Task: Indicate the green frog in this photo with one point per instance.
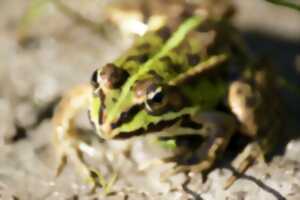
(190, 79)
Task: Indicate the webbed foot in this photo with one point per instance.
(243, 161)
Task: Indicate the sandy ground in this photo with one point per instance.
(62, 54)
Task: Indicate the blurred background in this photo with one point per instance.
(60, 52)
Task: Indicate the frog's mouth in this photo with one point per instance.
(152, 128)
(127, 116)
(128, 126)
(111, 129)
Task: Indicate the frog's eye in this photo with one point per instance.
(157, 101)
(144, 88)
(158, 97)
(94, 79)
(164, 99)
(113, 77)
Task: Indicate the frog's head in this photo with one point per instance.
(134, 95)
(123, 106)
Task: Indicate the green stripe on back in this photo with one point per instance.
(174, 41)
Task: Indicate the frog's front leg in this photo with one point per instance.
(66, 139)
(218, 127)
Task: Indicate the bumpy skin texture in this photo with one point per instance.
(190, 80)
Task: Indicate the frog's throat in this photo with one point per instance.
(186, 27)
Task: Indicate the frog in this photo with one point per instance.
(191, 78)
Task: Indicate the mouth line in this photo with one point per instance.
(126, 116)
(152, 128)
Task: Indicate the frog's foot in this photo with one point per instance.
(105, 184)
(69, 150)
(218, 128)
(210, 149)
(244, 160)
(73, 150)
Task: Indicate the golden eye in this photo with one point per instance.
(112, 76)
(157, 101)
(144, 89)
(164, 99)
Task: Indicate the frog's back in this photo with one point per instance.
(190, 52)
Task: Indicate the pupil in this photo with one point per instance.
(158, 98)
